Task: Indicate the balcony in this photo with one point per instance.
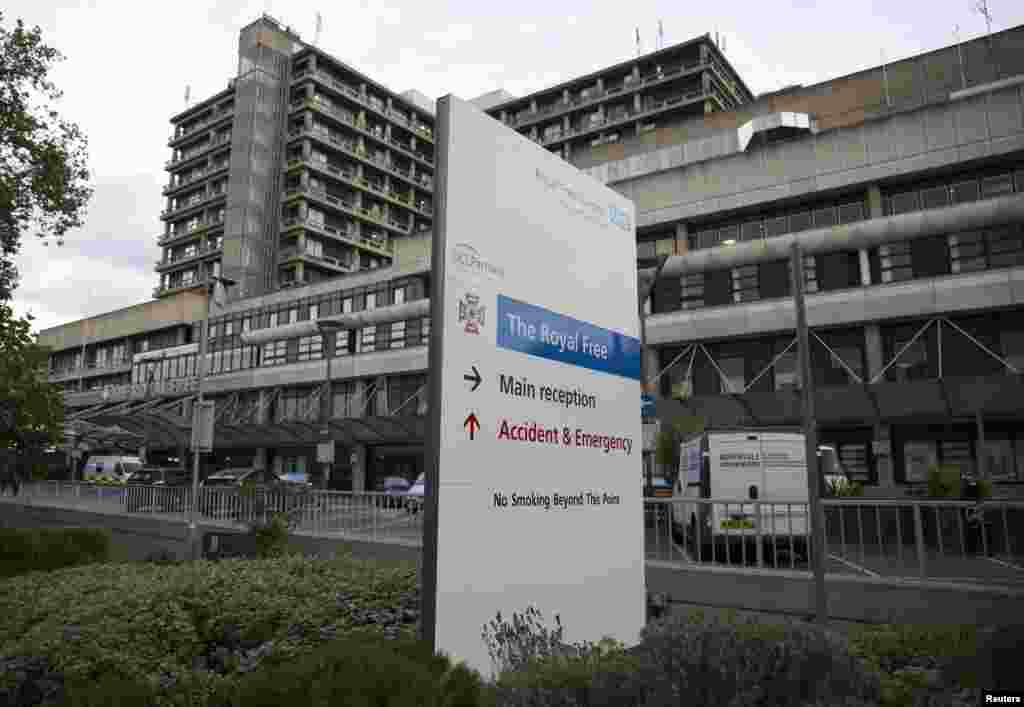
(422, 180)
(629, 115)
(215, 118)
(200, 229)
(318, 258)
(593, 97)
(213, 144)
(349, 120)
(421, 130)
(194, 202)
(377, 243)
(347, 207)
(176, 287)
(164, 263)
(92, 369)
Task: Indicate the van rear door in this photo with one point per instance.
(785, 474)
(736, 473)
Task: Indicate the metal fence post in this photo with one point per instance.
(919, 537)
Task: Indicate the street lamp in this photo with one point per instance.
(325, 327)
(204, 338)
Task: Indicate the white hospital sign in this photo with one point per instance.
(536, 350)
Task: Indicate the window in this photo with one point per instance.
(930, 256)
(692, 291)
(310, 347)
(369, 338)
(274, 353)
(1000, 185)
(838, 270)
(967, 252)
(773, 279)
(744, 283)
(398, 328)
(964, 192)
(718, 287)
(904, 203)
(894, 262)
(314, 311)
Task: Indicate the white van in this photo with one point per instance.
(117, 467)
(744, 465)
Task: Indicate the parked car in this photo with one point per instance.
(110, 468)
(281, 494)
(146, 489)
(415, 496)
(394, 488)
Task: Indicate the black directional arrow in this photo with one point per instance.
(475, 379)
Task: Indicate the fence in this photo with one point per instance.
(369, 516)
(897, 539)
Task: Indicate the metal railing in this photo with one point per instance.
(896, 539)
(358, 515)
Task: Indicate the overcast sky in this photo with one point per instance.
(128, 64)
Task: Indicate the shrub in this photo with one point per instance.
(215, 620)
(992, 663)
(944, 481)
(360, 672)
(271, 535)
(45, 549)
(693, 661)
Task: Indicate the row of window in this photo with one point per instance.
(229, 355)
(954, 191)
(935, 193)
(341, 302)
(770, 364)
(932, 256)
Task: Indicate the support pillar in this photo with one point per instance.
(259, 459)
(358, 460)
(651, 367)
(979, 422)
(882, 450)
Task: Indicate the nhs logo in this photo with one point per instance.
(619, 218)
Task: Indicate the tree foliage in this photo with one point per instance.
(31, 408)
(43, 173)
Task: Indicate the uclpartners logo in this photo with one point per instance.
(468, 258)
(577, 203)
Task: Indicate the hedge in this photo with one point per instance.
(46, 549)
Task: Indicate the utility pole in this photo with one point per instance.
(816, 517)
(204, 337)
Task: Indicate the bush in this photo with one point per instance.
(363, 672)
(746, 663)
(46, 549)
(215, 620)
(944, 481)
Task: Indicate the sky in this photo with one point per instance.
(128, 65)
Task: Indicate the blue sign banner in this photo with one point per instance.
(540, 332)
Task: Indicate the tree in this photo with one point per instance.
(43, 174)
(31, 408)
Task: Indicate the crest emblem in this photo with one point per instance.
(472, 313)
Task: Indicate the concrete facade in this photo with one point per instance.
(904, 184)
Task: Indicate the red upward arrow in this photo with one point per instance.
(472, 424)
